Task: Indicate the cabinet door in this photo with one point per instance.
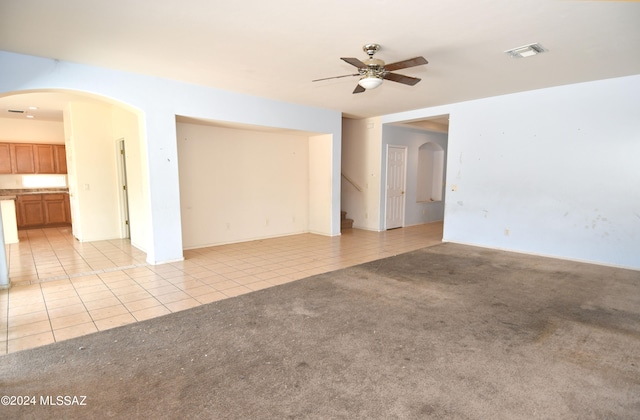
(60, 154)
(55, 209)
(22, 159)
(44, 158)
(30, 211)
(5, 158)
(67, 208)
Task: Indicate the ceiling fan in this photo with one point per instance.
(373, 71)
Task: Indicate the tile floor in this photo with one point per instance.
(62, 288)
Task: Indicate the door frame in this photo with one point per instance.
(125, 228)
(386, 185)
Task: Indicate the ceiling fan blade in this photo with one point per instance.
(412, 62)
(359, 89)
(354, 62)
(407, 80)
(336, 77)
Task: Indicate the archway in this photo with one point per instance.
(90, 126)
(430, 173)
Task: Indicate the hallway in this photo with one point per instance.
(62, 288)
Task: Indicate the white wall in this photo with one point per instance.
(13, 130)
(18, 181)
(76, 220)
(324, 216)
(552, 172)
(361, 154)
(93, 177)
(415, 212)
(126, 125)
(159, 101)
(239, 185)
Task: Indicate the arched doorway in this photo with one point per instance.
(91, 127)
(430, 173)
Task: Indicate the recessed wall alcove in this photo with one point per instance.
(430, 173)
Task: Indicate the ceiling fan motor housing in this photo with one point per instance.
(375, 70)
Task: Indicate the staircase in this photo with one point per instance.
(344, 222)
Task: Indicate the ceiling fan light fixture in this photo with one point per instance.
(370, 82)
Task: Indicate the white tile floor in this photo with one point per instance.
(62, 288)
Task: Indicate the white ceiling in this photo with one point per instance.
(275, 48)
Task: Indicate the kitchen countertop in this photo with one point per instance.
(24, 191)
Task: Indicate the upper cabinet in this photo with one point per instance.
(44, 159)
(26, 158)
(5, 158)
(60, 158)
(22, 161)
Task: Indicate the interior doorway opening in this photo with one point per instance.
(89, 127)
(426, 142)
(430, 174)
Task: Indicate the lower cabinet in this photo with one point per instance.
(29, 210)
(43, 210)
(56, 209)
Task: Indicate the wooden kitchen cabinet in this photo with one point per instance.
(28, 158)
(60, 156)
(22, 161)
(44, 159)
(50, 159)
(56, 209)
(5, 158)
(29, 210)
(43, 210)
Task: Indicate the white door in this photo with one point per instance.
(396, 164)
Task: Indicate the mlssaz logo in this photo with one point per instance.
(63, 400)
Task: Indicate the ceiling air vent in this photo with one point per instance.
(17, 111)
(526, 51)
